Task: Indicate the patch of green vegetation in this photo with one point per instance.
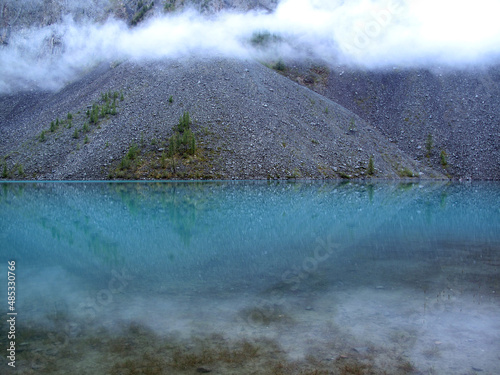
(371, 167)
(344, 175)
(315, 141)
(129, 161)
(429, 143)
(295, 174)
(405, 172)
(163, 160)
(93, 114)
(85, 128)
(133, 152)
(17, 170)
(171, 99)
(264, 39)
(279, 66)
(143, 140)
(444, 158)
(141, 12)
(183, 141)
(20, 170)
(177, 157)
(169, 6)
(54, 125)
(86, 139)
(184, 122)
(352, 125)
(106, 108)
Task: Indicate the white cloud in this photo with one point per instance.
(369, 33)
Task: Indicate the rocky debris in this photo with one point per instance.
(249, 122)
(458, 108)
(15, 15)
(393, 111)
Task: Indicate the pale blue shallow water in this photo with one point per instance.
(420, 258)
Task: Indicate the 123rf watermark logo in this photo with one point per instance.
(11, 314)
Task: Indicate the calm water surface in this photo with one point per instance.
(253, 277)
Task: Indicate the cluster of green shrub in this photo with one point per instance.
(444, 158)
(429, 145)
(405, 172)
(108, 107)
(17, 170)
(55, 125)
(129, 157)
(141, 159)
(183, 141)
(371, 167)
(264, 38)
(169, 5)
(279, 66)
(142, 9)
(128, 165)
(352, 125)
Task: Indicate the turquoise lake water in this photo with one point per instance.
(184, 277)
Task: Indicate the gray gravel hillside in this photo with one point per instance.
(239, 122)
(18, 14)
(249, 122)
(458, 108)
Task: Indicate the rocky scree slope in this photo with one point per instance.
(248, 121)
(18, 14)
(458, 108)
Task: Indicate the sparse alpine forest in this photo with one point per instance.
(70, 132)
(94, 115)
(170, 158)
